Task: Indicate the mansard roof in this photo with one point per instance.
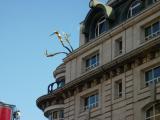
(98, 9)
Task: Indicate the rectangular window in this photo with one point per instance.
(92, 62)
(118, 47)
(91, 102)
(153, 113)
(152, 30)
(61, 115)
(55, 115)
(118, 89)
(152, 75)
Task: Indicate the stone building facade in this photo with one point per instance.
(115, 72)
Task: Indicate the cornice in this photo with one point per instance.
(116, 30)
(101, 69)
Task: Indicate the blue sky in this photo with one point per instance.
(25, 26)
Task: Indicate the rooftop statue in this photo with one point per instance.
(65, 42)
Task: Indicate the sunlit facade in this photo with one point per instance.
(115, 72)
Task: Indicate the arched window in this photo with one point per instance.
(134, 8)
(153, 113)
(101, 26)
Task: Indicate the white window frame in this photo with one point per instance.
(91, 106)
(154, 113)
(153, 34)
(91, 66)
(154, 80)
(117, 93)
(100, 21)
(130, 14)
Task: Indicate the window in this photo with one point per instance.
(134, 8)
(118, 89)
(61, 115)
(152, 76)
(61, 84)
(101, 26)
(153, 113)
(118, 47)
(57, 115)
(91, 102)
(152, 30)
(92, 62)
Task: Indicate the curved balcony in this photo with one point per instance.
(54, 112)
(59, 72)
(56, 85)
(54, 108)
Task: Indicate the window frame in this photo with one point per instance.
(153, 80)
(118, 49)
(117, 92)
(91, 65)
(153, 34)
(93, 105)
(131, 8)
(101, 21)
(154, 112)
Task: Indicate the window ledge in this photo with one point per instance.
(87, 111)
(147, 89)
(119, 55)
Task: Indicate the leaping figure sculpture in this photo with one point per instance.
(65, 38)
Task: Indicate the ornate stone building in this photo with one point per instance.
(115, 72)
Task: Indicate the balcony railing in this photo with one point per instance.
(54, 86)
(92, 66)
(155, 34)
(153, 81)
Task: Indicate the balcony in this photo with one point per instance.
(56, 85)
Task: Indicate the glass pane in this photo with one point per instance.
(61, 114)
(157, 72)
(92, 100)
(102, 27)
(156, 27)
(149, 112)
(55, 115)
(148, 31)
(157, 107)
(148, 76)
(61, 84)
(93, 60)
(135, 10)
